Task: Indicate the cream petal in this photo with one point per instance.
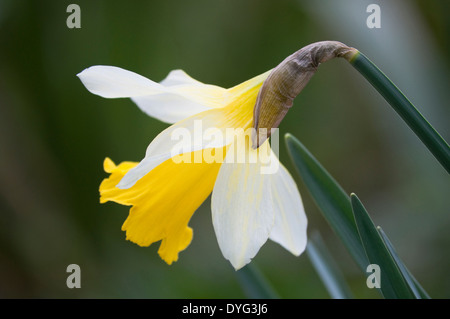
(208, 129)
(168, 108)
(114, 82)
(177, 97)
(242, 208)
(290, 220)
(185, 136)
(179, 77)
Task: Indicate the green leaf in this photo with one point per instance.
(418, 124)
(328, 195)
(392, 285)
(254, 284)
(413, 284)
(327, 269)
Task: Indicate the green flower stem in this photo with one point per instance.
(435, 143)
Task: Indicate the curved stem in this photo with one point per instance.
(432, 140)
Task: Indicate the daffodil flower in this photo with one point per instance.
(248, 206)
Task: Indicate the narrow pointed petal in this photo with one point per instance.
(114, 82)
(171, 142)
(168, 108)
(179, 77)
(290, 225)
(175, 98)
(242, 207)
(183, 137)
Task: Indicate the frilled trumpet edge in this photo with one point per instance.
(287, 80)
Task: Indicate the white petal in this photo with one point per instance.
(208, 129)
(179, 77)
(242, 209)
(177, 102)
(114, 82)
(290, 219)
(175, 98)
(168, 108)
(185, 136)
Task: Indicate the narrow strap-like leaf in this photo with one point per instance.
(328, 195)
(414, 285)
(392, 283)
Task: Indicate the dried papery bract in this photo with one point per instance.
(287, 80)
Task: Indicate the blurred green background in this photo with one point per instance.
(54, 135)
